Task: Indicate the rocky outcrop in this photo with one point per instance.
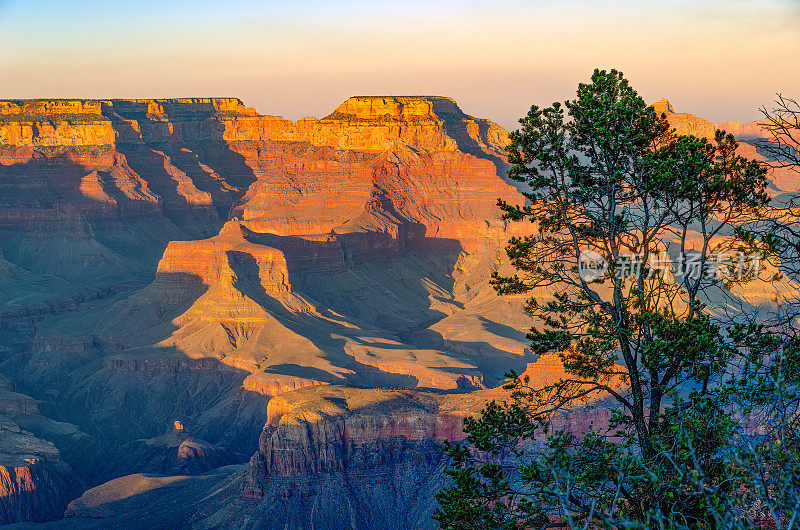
(377, 164)
(683, 122)
(331, 429)
(329, 457)
(35, 483)
(54, 123)
(748, 135)
(365, 458)
(35, 489)
(176, 452)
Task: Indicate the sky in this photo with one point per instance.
(720, 59)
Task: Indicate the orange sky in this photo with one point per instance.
(719, 59)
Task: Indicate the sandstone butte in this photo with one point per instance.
(307, 301)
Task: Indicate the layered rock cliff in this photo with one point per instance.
(365, 458)
(191, 258)
(328, 457)
(331, 429)
(385, 199)
(312, 296)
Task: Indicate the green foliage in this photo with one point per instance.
(606, 174)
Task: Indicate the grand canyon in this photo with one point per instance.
(215, 318)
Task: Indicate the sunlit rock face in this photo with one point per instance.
(684, 123)
(111, 194)
(368, 201)
(193, 259)
(306, 303)
(749, 136)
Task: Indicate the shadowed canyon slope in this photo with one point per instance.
(308, 299)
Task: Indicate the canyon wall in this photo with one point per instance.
(35, 483)
(191, 260)
(308, 299)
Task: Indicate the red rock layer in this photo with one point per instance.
(379, 177)
(372, 164)
(379, 155)
(117, 159)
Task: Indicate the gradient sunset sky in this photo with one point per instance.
(721, 59)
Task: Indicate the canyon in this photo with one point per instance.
(215, 318)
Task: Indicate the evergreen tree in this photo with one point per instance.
(609, 182)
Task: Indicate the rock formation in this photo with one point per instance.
(748, 135)
(35, 483)
(176, 452)
(191, 258)
(308, 299)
